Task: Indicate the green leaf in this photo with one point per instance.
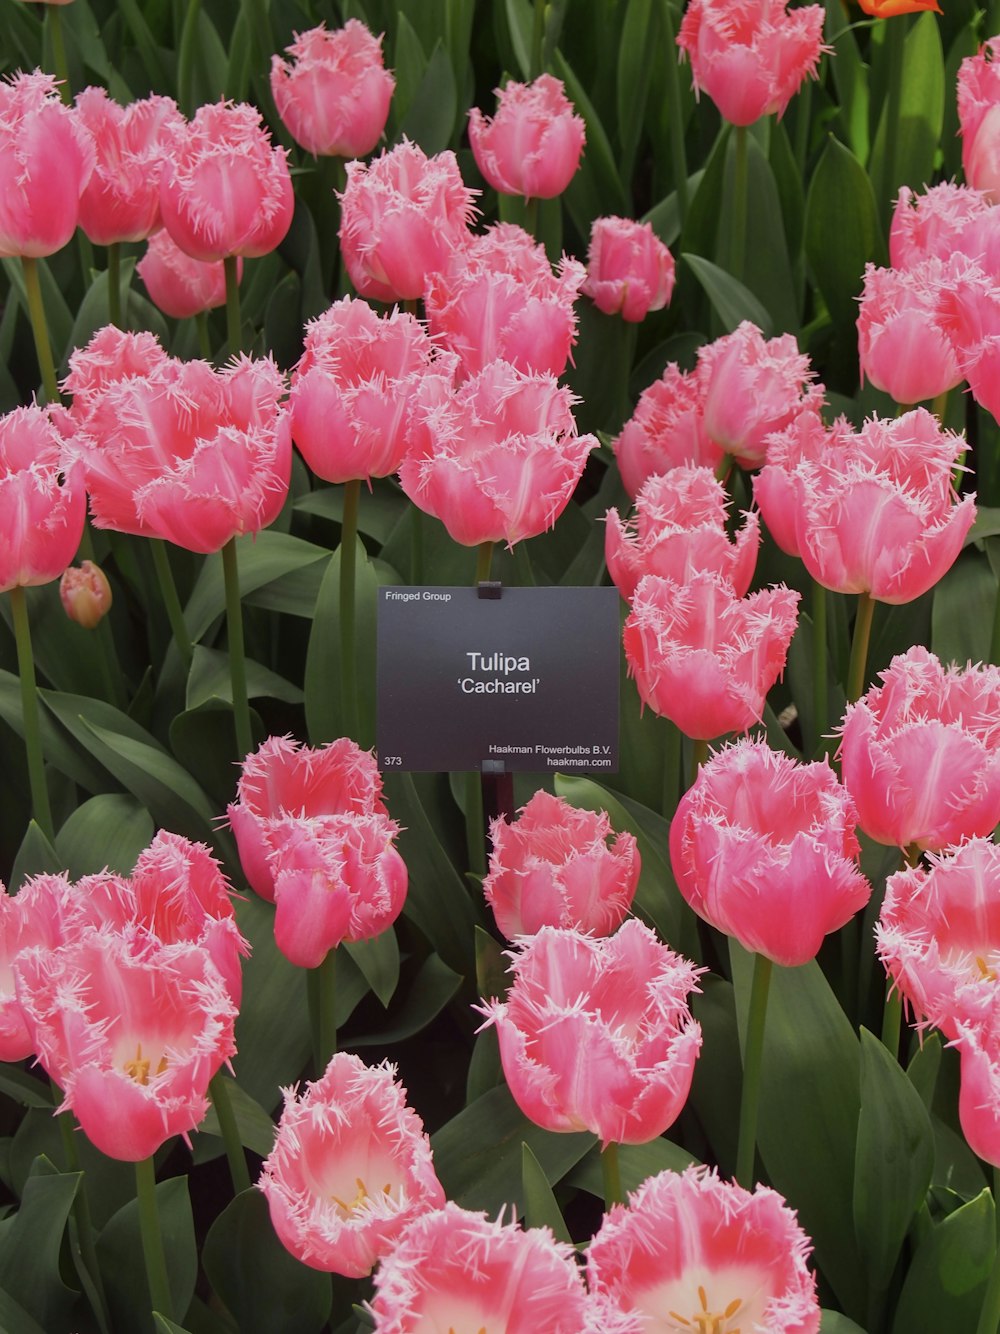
(810, 1060)
(916, 130)
(378, 960)
(768, 269)
(378, 513)
(431, 114)
(478, 1153)
(832, 1322)
(409, 64)
(58, 315)
(30, 1241)
(850, 77)
(894, 1161)
(74, 763)
(718, 1070)
(211, 679)
(596, 189)
(119, 1250)
(24, 1088)
(108, 831)
(255, 1126)
(638, 52)
(265, 1289)
(842, 230)
(540, 1207)
(519, 25)
(962, 611)
(731, 300)
(433, 987)
(164, 1326)
(325, 716)
(35, 856)
(14, 1319)
(947, 1277)
(636, 1163)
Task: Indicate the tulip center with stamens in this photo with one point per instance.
(987, 972)
(139, 1066)
(360, 1199)
(709, 1322)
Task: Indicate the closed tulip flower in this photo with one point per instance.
(936, 223)
(751, 59)
(666, 430)
(629, 270)
(111, 354)
(554, 866)
(678, 530)
(350, 1168)
(121, 201)
(970, 314)
(597, 1034)
(85, 594)
(925, 720)
(703, 657)
(939, 934)
(402, 215)
(353, 388)
(979, 119)
(498, 459)
(334, 94)
(46, 159)
(903, 346)
(225, 189)
(763, 848)
(692, 1252)
(500, 301)
(42, 500)
(179, 285)
(978, 1044)
(37, 917)
(532, 146)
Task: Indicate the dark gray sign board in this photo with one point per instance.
(528, 679)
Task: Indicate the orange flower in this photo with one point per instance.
(887, 9)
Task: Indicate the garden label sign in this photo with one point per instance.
(526, 678)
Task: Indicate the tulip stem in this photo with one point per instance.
(484, 562)
(324, 1013)
(29, 714)
(820, 696)
(234, 328)
(152, 1239)
(989, 1315)
(222, 1103)
(740, 189)
(348, 578)
(39, 328)
(61, 68)
(699, 754)
(611, 1175)
(171, 600)
(204, 342)
(675, 113)
(671, 770)
(859, 647)
(753, 1052)
(237, 655)
(114, 284)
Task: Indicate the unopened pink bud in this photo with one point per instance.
(85, 593)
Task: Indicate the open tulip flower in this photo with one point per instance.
(939, 934)
(751, 58)
(350, 1168)
(36, 917)
(691, 1252)
(925, 720)
(500, 300)
(935, 223)
(334, 94)
(553, 866)
(498, 458)
(42, 500)
(532, 146)
(110, 354)
(764, 849)
(666, 430)
(703, 657)
(679, 529)
(597, 1034)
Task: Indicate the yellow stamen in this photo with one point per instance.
(359, 1198)
(709, 1322)
(138, 1069)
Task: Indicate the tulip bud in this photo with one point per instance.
(85, 594)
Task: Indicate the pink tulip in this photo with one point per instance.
(872, 511)
(500, 301)
(679, 529)
(978, 1045)
(189, 454)
(939, 934)
(42, 500)
(763, 848)
(46, 158)
(553, 866)
(920, 753)
(179, 285)
(283, 778)
(131, 1030)
(751, 59)
(121, 201)
(35, 918)
(498, 459)
(350, 1168)
(692, 1252)
(401, 217)
(629, 270)
(110, 355)
(532, 146)
(224, 189)
(666, 430)
(934, 225)
(970, 313)
(597, 1034)
(979, 119)
(85, 594)
(457, 1270)
(336, 878)
(334, 94)
(753, 385)
(703, 657)
(903, 345)
(353, 388)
